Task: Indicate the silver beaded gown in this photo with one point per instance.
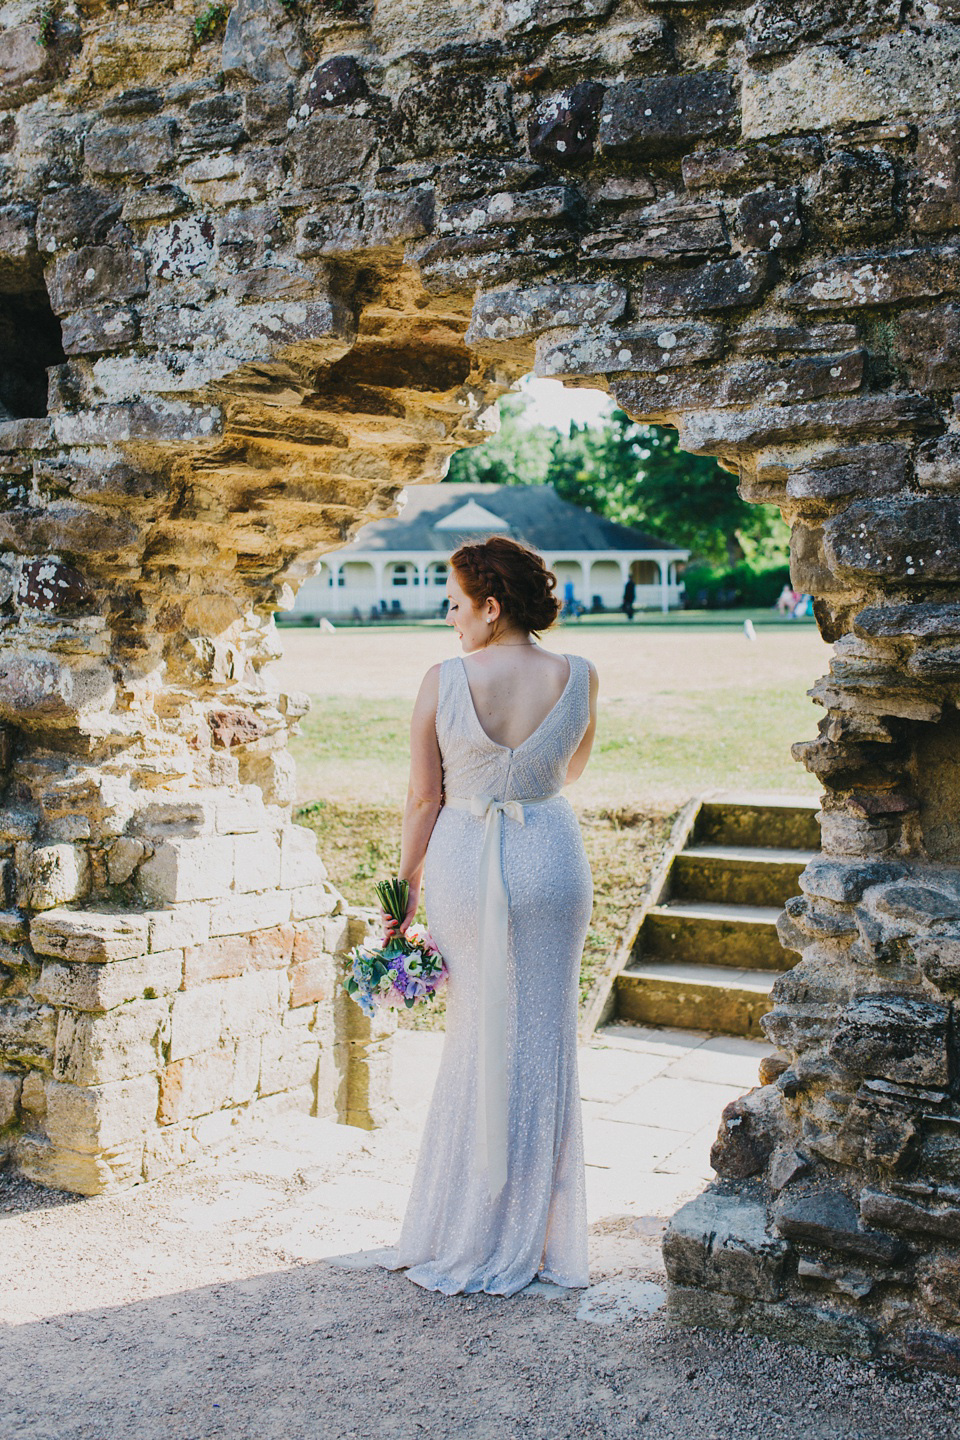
(455, 1237)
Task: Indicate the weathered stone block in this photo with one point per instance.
(723, 285)
(770, 219)
(828, 1219)
(938, 464)
(27, 68)
(99, 329)
(662, 113)
(262, 41)
(256, 862)
(649, 348)
(95, 936)
(92, 1118)
(289, 1059)
(332, 149)
(140, 149)
(455, 111)
(79, 1172)
(926, 344)
(665, 231)
(127, 1041)
(237, 954)
(255, 911)
(721, 1242)
(852, 281)
(820, 1329)
(188, 869)
(195, 1021)
(250, 1004)
(102, 987)
(334, 82)
(519, 313)
(309, 901)
(50, 586)
(749, 1129)
(905, 1212)
(299, 862)
(554, 202)
(896, 1037)
(791, 381)
(58, 874)
(897, 538)
(564, 128)
(198, 1084)
(865, 471)
(854, 195)
(10, 1086)
(936, 201)
(96, 273)
(313, 981)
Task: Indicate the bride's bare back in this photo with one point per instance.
(514, 688)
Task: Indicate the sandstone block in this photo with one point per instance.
(96, 273)
(33, 1099)
(10, 1086)
(454, 111)
(103, 987)
(864, 471)
(237, 954)
(926, 342)
(253, 911)
(854, 195)
(564, 128)
(256, 862)
(649, 348)
(795, 339)
(123, 857)
(299, 862)
(289, 1059)
(721, 285)
(79, 1172)
(308, 901)
(77, 215)
(93, 1118)
(187, 869)
(732, 433)
(720, 1242)
(718, 169)
(58, 874)
(662, 113)
(19, 265)
(181, 926)
(161, 422)
(262, 41)
(251, 1004)
(514, 314)
(140, 149)
(39, 686)
(92, 1049)
(314, 980)
(895, 1037)
(197, 1085)
(554, 202)
(791, 381)
(195, 1021)
(332, 149)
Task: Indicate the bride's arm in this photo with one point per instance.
(425, 791)
(580, 756)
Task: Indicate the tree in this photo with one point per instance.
(634, 474)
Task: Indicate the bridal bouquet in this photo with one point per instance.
(403, 969)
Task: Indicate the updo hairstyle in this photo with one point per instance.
(512, 574)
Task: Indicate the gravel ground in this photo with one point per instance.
(239, 1297)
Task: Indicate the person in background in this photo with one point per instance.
(628, 603)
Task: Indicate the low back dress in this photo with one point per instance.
(498, 1195)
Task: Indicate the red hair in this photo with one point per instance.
(513, 575)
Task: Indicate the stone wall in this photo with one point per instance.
(251, 283)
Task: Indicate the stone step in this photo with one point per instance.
(705, 933)
(738, 875)
(694, 997)
(778, 824)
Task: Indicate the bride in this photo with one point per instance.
(498, 1195)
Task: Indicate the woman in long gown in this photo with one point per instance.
(498, 1195)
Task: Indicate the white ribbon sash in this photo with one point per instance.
(494, 945)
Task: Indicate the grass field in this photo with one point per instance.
(685, 708)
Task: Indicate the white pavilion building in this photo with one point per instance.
(400, 565)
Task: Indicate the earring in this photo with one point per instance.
(489, 619)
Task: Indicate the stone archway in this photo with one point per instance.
(292, 274)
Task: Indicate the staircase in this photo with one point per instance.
(704, 952)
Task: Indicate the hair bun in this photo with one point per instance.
(512, 574)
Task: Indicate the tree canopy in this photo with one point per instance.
(634, 474)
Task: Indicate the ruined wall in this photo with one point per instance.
(251, 283)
